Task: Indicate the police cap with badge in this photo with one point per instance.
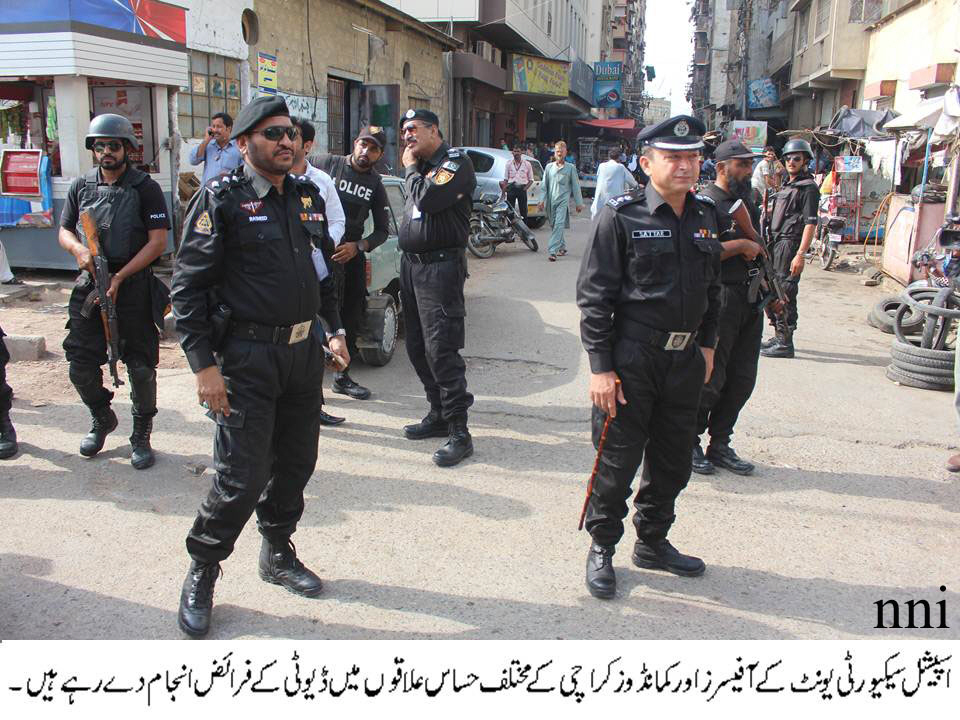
(430, 118)
(257, 110)
(681, 132)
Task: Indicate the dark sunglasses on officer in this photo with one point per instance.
(794, 157)
(112, 145)
(275, 132)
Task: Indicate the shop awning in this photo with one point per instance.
(925, 115)
(611, 124)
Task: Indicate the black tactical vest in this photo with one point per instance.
(116, 210)
(786, 218)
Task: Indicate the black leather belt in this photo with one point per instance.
(432, 256)
(664, 339)
(282, 335)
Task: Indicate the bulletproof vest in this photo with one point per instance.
(116, 211)
(355, 191)
(786, 218)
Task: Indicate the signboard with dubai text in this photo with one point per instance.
(607, 84)
(537, 76)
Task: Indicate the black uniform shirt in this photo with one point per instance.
(153, 206)
(253, 246)
(644, 263)
(439, 202)
(795, 205)
(734, 269)
(360, 193)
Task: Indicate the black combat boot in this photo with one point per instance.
(142, 456)
(346, 385)
(769, 342)
(701, 465)
(8, 436)
(601, 579)
(196, 598)
(783, 348)
(431, 426)
(724, 456)
(661, 555)
(104, 423)
(459, 445)
(279, 565)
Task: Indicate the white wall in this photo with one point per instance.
(215, 27)
(439, 10)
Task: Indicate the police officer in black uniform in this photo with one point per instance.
(741, 322)
(8, 435)
(436, 221)
(131, 216)
(793, 222)
(362, 194)
(252, 275)
(649, 294)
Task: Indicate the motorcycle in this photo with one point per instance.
(826, 245)
(495, 221)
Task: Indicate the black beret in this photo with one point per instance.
(681, 132)
(256, 110)
(420, 114)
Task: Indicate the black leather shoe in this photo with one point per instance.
(328, 419)
(279, 565)
(701, 465)
(459, 446)
(778, 350)
(346, 385)
(142, 456)
(769, 342)
(431, 426)
(196, 598)
(104, 423)
(725, 457)
(601, 579)
(661, 555)
(8, 437)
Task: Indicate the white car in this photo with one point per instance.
(490, 165)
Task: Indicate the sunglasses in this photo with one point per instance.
(793, 158)
(275, 132)
(111, 145)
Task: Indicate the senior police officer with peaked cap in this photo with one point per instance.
(251, 278)
(649, 294)
(436, 221)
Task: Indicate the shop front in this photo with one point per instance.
(55, 75)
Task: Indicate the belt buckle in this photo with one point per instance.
(299, 332)
(677, 341)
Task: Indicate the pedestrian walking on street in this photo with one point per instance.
(8, 435)
(217, 152)
(560, 183)
(130, 212)
(768, 175)
(793, 222)
(613, 179)
(362, 194)
(440, 181)
(251, 278)
(517, 180)
(740, 327)
(649, 295)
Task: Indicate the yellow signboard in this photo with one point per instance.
(267, 73)
(538, 76)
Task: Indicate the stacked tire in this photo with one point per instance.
(921, 356)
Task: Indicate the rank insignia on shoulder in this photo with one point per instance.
(451, 166)
(454, 153)
(204, 225)
(307, 202)
(705, 199)
(442, 177)
(621, 200)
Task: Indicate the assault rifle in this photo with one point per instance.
(87, 228)
(769, 281)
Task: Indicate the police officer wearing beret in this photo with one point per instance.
(130, 212)
(436, 221)
(649, 294)
(793, 222)
(252, 275)
(741, 322)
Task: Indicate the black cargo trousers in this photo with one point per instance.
(784, 250)
(6, 392)
(265, 453)
(662, 390)
(739, 331)
(353, 299)
(431, 292)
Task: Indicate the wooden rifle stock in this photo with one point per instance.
(101, 279)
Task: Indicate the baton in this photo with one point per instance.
(596, 465)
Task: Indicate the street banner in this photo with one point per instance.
(848, 164)
(267, 73)
(537, 76)
(608, 85)
(752, 133)
(762, 94)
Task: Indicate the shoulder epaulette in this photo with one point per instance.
(626, 199)
(454, 153)
(705, 199)
(222, 183)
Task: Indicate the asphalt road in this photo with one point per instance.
(849, 505)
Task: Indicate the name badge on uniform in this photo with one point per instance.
(647, 234)
(415, 213)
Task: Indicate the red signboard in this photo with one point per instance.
(20, 173)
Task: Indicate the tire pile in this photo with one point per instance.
(922, 319)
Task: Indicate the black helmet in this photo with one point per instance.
(111, 126)
(797, 145)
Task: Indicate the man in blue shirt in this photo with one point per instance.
(217, 152)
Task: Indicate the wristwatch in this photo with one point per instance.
(339, 332)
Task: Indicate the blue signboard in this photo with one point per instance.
(608, 85)
(761, 94)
